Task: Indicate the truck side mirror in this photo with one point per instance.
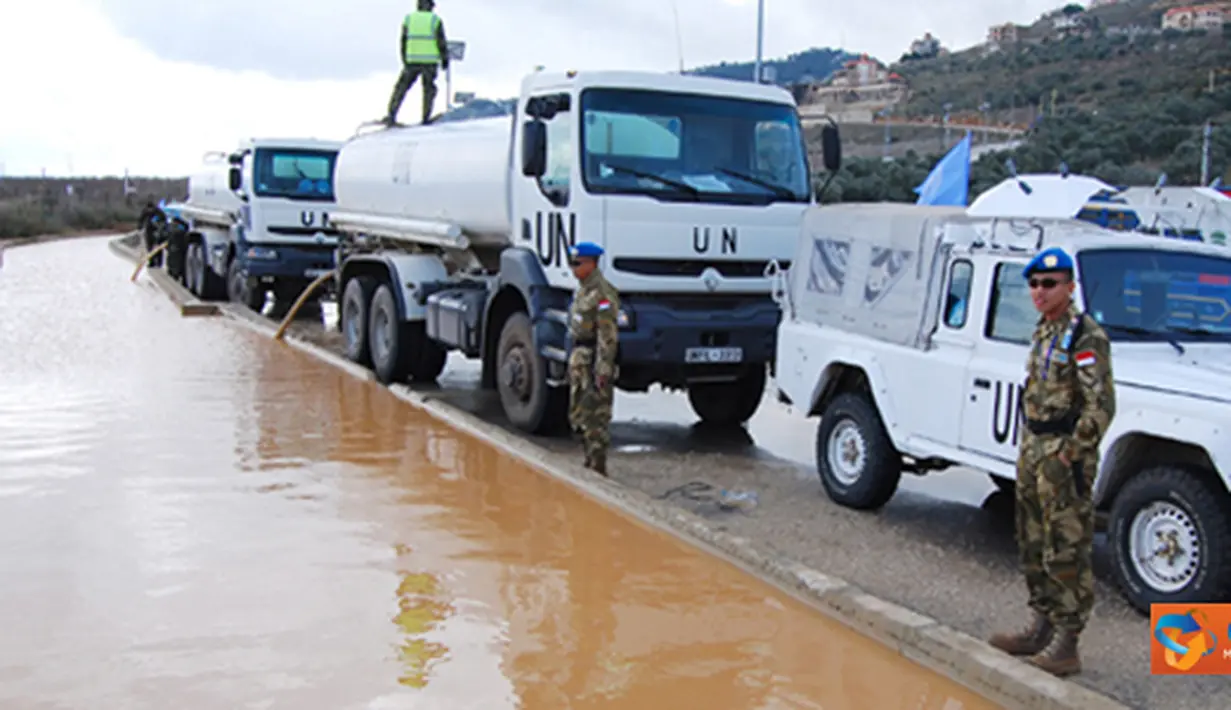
(234, 179)
(831, 148)
(235, 158)
(533, 148)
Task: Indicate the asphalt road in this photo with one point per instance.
(943, 545)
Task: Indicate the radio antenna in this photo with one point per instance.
(679, 42)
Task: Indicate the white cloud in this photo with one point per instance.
(152, 84)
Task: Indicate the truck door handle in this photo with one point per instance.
(983, 384)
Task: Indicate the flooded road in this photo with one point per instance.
(193, 516)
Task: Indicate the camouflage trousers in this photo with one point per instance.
(1055, 531)
(406, 79)
(589, 411)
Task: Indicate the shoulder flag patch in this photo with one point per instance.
(1085, 358)
(604, 305)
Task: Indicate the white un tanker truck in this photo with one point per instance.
(258, 220)
(455, 236)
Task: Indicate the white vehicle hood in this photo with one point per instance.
(1202, 372)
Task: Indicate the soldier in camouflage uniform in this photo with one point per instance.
(1068, 403)
(592, 362)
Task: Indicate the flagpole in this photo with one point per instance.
(756, 72)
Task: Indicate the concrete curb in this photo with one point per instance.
(188, 304)
(1004, 680)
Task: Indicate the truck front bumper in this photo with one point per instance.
(674, 341)
(270, 262)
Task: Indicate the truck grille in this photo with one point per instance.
(697, 303)
(694, 267)
(303, 231)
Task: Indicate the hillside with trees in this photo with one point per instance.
(37, 206)
(1111, 95)
(800, 68)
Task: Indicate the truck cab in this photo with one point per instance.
(284, 240)
(260, 220)
(692, 189)
(930, 377)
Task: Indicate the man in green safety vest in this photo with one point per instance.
(422, 47)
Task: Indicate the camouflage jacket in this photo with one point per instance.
(1063, 376)
(592, 321)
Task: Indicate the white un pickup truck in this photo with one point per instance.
(906, 329)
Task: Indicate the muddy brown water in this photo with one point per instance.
(193, 516)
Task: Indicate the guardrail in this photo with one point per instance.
(1005, 129)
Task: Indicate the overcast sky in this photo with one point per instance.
(97, 86)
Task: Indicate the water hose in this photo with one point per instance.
(303, 298)
(146, 259)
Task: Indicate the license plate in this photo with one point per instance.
(713, 355)
(313, 273)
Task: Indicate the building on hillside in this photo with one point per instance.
(1000, 35)
(1187, 18)
(1077, 24)
(863, 71)
(1132, 31)
(862, 85)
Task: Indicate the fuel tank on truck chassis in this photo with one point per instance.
(208, 189)
(453, 173)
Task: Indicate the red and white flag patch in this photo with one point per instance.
(604, 305)
(1085, 358)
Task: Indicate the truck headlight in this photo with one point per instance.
(262, 253)
(625, 320)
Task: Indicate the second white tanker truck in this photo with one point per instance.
(455, 236)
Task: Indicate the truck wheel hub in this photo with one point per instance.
(514, 373)
(351, 320)
(1164, 546)
(846, 452)
(381, 336)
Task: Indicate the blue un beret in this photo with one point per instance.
(1050, 259)
(586, 249)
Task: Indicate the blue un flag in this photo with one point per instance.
(949, 181)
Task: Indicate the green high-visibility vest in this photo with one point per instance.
(421, 46)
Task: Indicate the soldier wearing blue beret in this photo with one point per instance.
(1067, 404)
(594, 327)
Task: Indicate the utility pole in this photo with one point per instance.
(1205, 152)
(944, 137)
(756, 70)
(885, 113)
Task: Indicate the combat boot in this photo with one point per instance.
(1060, 657)
(599, 464)
(1028, 641)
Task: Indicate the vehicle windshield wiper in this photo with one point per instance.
(776, 189)
(1137, 330)
(1193, 331)
(679, 186)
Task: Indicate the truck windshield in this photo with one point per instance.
(294, 174)
(692, 147)
(1158, 294)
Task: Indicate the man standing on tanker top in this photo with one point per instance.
(592, 362)
(1068, 402)
(422, 46)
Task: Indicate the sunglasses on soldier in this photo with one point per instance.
(1044, 283)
